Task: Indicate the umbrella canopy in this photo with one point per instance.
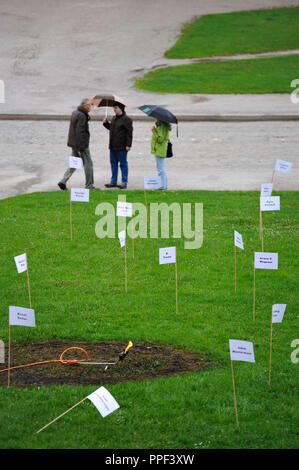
(159, 113)
(106, 100)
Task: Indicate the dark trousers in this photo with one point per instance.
(119, 157)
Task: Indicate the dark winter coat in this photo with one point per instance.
(121, 132)
(78, 137)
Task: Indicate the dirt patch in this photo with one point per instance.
(142, 362)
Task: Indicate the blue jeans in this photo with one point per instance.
(119, 157)
(160, 162)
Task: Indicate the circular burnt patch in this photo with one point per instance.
(143, 361)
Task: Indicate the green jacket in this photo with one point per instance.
(160, 139)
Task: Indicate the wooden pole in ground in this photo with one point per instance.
(126, 286)
(234, 390)
(176, 285)
(235, 269)
(133, 248)
(60, 416)
(270, 346)
(8, 372)
(28, 283)
(261, 230)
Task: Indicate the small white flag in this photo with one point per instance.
(124, 209)
(21, 263)
(270, 203)
(278, 312)
(265, 260)
(79, 194)
(122, 238)
(241, 350)
(21, 316)
(152, 182)
(103, 401)
(283, 167)
(167, 255)
(75, 162)
(238, 240)
(266, 189)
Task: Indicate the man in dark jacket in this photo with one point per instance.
(120, 142)
(78, 140)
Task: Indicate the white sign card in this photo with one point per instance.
(75, 162)
(21, 316)
(241, 350)
(21, 263)
(122, 238)
(266, 189)
(103, 401)
(270, 203)
(238, 240)
(278, 312)
(283, 166)
(167, 255)
(124, 209)
(152, 182)
(265, 260)
(79, 195)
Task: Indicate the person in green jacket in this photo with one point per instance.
(160, 139)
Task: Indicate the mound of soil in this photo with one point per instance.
(141, 362)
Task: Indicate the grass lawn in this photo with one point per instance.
(244, 32)
(77, 291)
(268, 75)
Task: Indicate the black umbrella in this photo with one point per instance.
(160, 113)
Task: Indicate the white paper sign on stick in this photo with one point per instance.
(241, 350)
(238, 240)
(75, 162)
(265, 260)
(122, 238)
(103, 401)
(124, 209)
(266, 189)
(278, 312)
(283, 166)
(21, 263)
(21, 316)
(167, 255)
(270, 203)
(152, 182)
(79, 195)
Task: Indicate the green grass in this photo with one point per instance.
(77, 291)
(244, 32)
(267, 75)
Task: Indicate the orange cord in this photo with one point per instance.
(61, 360)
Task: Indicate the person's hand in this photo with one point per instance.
(128, 149)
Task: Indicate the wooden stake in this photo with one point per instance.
(234, 390)
(176, 286)
(270, 347)
(261, 230)
(146, 205)
(272, 180)
(8, 372)
(53, 421)
(253, 311)
(235, 269)
(133, 251)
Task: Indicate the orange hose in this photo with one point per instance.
(61, 360)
